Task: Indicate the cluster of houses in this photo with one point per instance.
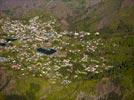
(39, 50)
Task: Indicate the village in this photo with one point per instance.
(36, 48)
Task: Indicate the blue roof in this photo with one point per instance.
(47, 51)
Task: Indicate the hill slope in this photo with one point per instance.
(85, 15)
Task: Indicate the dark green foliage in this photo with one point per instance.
(15, 97)
(8, 12)
(30, 94)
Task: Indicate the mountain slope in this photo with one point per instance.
(88, 15)
(106, 14)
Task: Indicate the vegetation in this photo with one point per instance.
(88, 65)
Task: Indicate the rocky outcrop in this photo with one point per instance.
(127, 3)
(60, 9)
(4, 79)
(23, 4)
(106, 90)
